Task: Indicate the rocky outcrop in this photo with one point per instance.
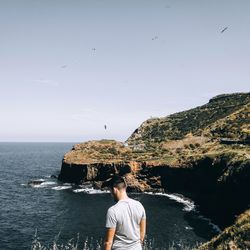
(35, 183)
(184, 152)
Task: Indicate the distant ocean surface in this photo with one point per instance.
(53, 209)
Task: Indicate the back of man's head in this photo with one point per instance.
(117, 182)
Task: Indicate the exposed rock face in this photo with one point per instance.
(79, 173)
(184, 152)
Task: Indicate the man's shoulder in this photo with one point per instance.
(135, 202)
(121, 204)
(112, 209)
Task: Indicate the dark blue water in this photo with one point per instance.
(53, 210)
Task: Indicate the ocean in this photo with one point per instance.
(53, 212)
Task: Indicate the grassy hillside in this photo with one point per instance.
(178, 125)
(235, 126)
(97, 152)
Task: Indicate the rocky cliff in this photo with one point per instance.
(203, 153)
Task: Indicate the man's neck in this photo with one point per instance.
(123, 196)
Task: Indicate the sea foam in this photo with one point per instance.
(62, 187)
(90, 191)
(188, 204)
(39, 185)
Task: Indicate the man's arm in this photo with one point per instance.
(142, 229)
(109, 238)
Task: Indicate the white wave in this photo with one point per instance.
(41, 179)
(79, 190)
(188, 228)
(44, 184)
(66, 184)
(61, 187)
(36, 185)
(188, 204)
(90, 191)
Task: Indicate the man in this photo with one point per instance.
(125, 221)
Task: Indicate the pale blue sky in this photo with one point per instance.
(70, 66)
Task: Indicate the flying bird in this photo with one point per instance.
(93, 49)
(154, 38)
(64, 66)
(224, 29)
(105, 126)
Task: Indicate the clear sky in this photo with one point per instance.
(70, 66)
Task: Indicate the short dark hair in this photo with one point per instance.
(116, 182)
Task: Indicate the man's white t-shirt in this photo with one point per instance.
(126, 216)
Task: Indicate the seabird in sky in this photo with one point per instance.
(105, 126)
(224, 29)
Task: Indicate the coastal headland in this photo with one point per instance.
(202, 153)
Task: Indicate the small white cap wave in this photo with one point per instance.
(61, 187)
(90, 191)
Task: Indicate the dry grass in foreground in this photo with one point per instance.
(90, 243)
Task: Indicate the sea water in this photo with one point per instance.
(54, 211)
